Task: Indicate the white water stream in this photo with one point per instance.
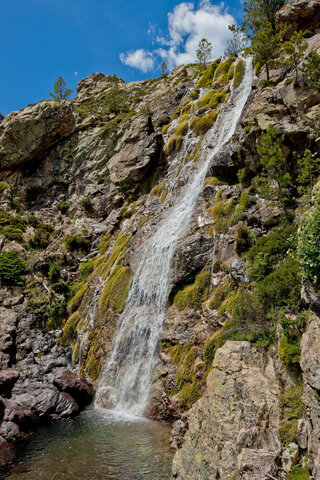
(127, 375)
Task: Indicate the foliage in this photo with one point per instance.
(308, 170)
(239, 73)
(308, 246)
(193, 295)
(53, 273)
(311, 69)
(12, 269)
(289, 352)
(294, 50)
(220, 293)
(115, 100)
(41, 238)
(221, 75)
(189, 394)
(164, 69)
(257, 12)
(243, 239)
(222, 213)
(298, 473)
(269, 251)
(63, 207)
(288, 431)
(70, 329)
(77, 242)
(57, 312)
(238, 42)
(201, 125)
(174, 144)
(60, 90)
(77, 292)
(292, 401)
(203, 52)
(3, 186)
(275, 179)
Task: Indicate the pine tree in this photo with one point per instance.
(294, 50)
(114, 98)
(164, 69)
(275, 180)
(60, 90)
(308, 171)
(311, 69)
(204, 53)
(257, 12)
(238, 43)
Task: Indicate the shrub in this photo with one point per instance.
(77, 242)
(308, 246)
(291, 400)
(12, 269)
(63, 207)
(282, 287)
(201, 125)
(290, 352)
(40, 239)
(243, 238)
(53, 273)
(288, 431)
(269, 251)
(12, 233)
(239, 73)
(193, 295)
(57, 313)
(222, 213)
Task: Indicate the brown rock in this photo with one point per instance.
(7, 452)
(7, 380)
(76, 386)
(300, 15)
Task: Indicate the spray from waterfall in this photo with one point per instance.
(127, 375)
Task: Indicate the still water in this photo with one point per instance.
(97, 445)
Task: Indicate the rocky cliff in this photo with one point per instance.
(84, 184)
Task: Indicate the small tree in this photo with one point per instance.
(238, 43)
(60, 90)
(275, 179)
(204, 53)
(311, 69)
(266, 46)
(308, 170)
(257, 12)
(114, 98)
(164, 69)
(295, 49)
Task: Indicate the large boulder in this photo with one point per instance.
(27, 134)
(233, 429)
(137, 152)
(76, 386)
(300, 15)
(7, 380)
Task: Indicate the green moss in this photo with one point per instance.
(288, 431)
(163, 196)
(4, 186)
(116, 289)
(77, 292)
(156, 191)
(222, 214)
(63, 207)
(193, 95)
(185, 371)
(70, 329)
(291, 399)
(221, 73)
(174, 144)
(231, 72)
(103, 266)
(210, 348)
(220, 294)
(189, 394)
(164, 129)
(92, 366)
(290, 352)
(244, 202)
(257, 66)
(193, 295)
(75, 352)
(207, 76)
(86, 268)
(104, 243)
(12, 269)
(201, 125)
(239, 73)
(182, 128)
(298, 473)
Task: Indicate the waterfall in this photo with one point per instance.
(127, 375)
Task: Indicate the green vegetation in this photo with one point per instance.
(203, 53)
(3, 186)
(70, 329)
(103, 266)
(63, 207)
(93, 366)
(308, 172)
(294, 50)
(12, 269)
(288, 431)
(77, 242)
(221, 74)
(174, 144)
(222, 213)
(193, 295)
(12, 227)
(243, 239)
(298, 473)
(291, 399)
(60, 90)
(213, 98)
(239, 73)
(311, 70)
(220, 293)
(77, 292)
(201, 125)
(206, 79)
(308, 245)
(116, 289)
(290, 352)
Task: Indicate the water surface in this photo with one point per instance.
(97, 445)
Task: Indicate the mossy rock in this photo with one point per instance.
(201, 125)
(193, 295)
(93, 366)
(78, 290)
(189, 394)
(70, 329)
(104, 265)
(206, 78)
(174, 144)
(221, 73)
(220, 293)
(116, 289)
(182, 128)
(239, 73)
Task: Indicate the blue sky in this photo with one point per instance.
(42, 39)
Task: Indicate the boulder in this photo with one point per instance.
(27, 134)
(233, 429)
(7, 452)
(76, 386)
(7, 380)
(300, 15)
(22, 416)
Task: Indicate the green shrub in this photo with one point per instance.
(290, 352)
(288, 431)
(220, 293)
(243, 238)
(193, 295)
(77, 242)
(53, 273)
(12, 233)
(222, 213)
(86, 268)
(308, 246)
(12, 269)
(57, 312)
(40, 239)
(281, 287)
(244, 202)
(269, 251)
(63, 207)
(292, 401)
(239, 73)
(201, 125)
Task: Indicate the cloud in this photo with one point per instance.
(187, 25)
(140, 59)
(76, 74)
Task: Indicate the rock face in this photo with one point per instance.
(300, 15)
(233, 428)
(310, 361)
(28, 134)
(1, 117)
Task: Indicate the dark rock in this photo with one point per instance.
(300, 15)
(192, 254)
(7, 452)
(76, 386)
(7, 380)
(223, 165)
(24, 417)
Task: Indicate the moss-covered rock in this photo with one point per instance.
(200, 125)
(193, 295)
(116, 289)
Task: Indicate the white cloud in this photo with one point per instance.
(187, 25)
(141, 59)
(76, 74)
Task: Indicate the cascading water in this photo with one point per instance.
(127, 375)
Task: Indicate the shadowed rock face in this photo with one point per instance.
(1, 117)
(28, 134)
(300, 15)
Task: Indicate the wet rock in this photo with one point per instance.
(27, 134)
(76, 386)
(300, 15)
(192, 254)
(7, 452)
(8, 323)
(227, 436)
(7, 380)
